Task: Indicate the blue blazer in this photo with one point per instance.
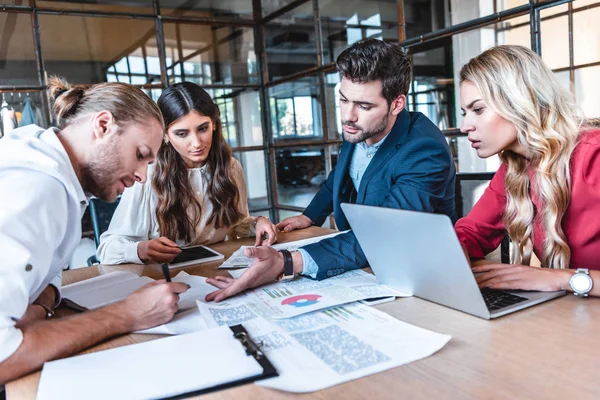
(412, 170)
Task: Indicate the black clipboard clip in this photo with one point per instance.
(252, 348)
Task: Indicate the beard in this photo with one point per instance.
(364, 134)
(101, 172)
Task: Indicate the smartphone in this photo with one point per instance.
(195, 255)
(373, 301)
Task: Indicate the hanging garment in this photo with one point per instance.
(28, 116)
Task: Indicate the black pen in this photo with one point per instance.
(166, 273)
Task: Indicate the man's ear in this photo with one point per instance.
(103, 124)
(398, 104)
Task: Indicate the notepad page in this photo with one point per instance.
(156, 369)
(104, 289)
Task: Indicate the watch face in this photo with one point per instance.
(581, 283)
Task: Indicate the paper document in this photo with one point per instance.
(304, 295)
(187, 319)
(115, 286)
(155, 369)
(325, 348)
(104, 289)
(239, 260)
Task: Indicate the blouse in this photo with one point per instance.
(482, 230)
(135, 220)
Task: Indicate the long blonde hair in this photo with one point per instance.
(515, 83)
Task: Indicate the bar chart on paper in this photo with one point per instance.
(275, 293)
(341, 314)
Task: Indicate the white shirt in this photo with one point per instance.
(41, 206)
(135, 217)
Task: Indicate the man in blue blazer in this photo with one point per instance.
(389, 158)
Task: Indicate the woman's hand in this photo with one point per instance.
(161, 250)
(521, 277)
(264, 227)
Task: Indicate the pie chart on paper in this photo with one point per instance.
(302, 300)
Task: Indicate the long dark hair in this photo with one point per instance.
(179, 211)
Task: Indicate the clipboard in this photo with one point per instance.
(174, 367)
(252, 349)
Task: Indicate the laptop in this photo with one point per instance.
(419, 253)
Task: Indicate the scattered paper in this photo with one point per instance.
(239, 260)
(328, 347)
(304, 295)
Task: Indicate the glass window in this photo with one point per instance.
(296, 110)
(555, 39)
(270, 6)
(300, 173)
(18, 66)
(290, 42)
(240, 116)
(344, 23)
(432, 89)
(27, 108)
(586, 90)
(131, 6)
(207, 8)
(332, 105)
(586, 36)
(422, 17)
(82, 49)
(255, 172)
(210, 54)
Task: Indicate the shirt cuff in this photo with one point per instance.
(130, 253)
(309, 266)
(56, 282)
(10, 341)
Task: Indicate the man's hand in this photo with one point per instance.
(153, 304)
(266, 269)
(293, 223)
(265, 227)
(161, 250)
(521, 277)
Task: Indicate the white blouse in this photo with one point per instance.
(135, 218)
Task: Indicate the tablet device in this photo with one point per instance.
(195, 255)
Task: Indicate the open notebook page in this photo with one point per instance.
(156, 369)
(104, 289)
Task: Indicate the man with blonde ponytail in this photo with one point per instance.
(546, 194)
(105, 138)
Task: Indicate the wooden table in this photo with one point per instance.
(550, 351)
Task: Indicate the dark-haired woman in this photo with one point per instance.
(196, 193)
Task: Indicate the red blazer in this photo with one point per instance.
(482, 230)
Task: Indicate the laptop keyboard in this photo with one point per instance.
(497, 299)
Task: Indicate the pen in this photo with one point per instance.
(166, 273)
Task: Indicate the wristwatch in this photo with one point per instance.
(581, 282)
(288, 267)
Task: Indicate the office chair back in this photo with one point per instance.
(101, 213)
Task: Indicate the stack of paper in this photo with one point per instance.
(325, 348)
(239, 260)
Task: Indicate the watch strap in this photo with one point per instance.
(288, 265)
(49, 311)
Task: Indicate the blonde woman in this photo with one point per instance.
(546, 194)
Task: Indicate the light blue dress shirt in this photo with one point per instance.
(363, 154)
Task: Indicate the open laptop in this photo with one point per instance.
(419, 253)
